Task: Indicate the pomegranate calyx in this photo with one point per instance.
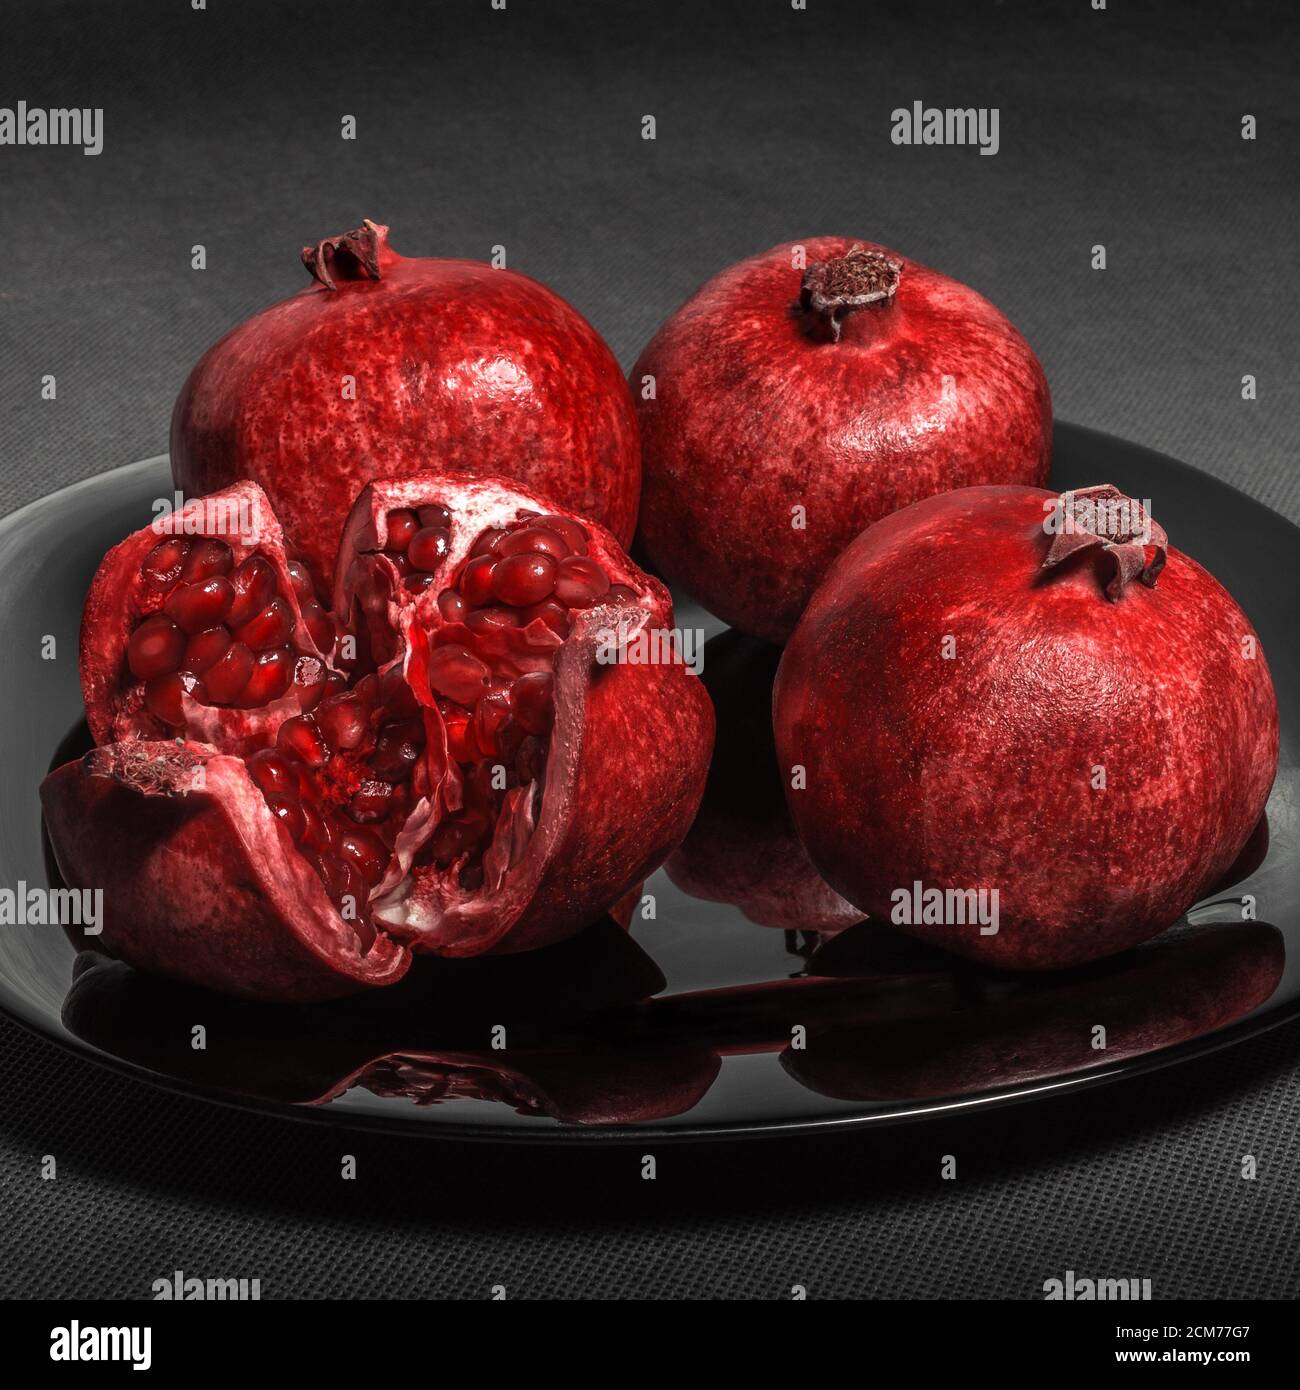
(833, 288)
(1120, 525)
(354, 255)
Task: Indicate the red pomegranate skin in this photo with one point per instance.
(197, 882)
(457, 366)
(758, 410)
(977, 772)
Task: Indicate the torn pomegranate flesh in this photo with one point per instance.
(342, 780)
(497, 718)
(221, 633)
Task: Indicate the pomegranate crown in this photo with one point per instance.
(1103, 516)
(354, 255)
(836, 287)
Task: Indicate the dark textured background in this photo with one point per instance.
(523, 128)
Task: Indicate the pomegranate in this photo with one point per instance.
(805, 393)
(980, 698)
(486, 767)
(386, 366)
(742, 847)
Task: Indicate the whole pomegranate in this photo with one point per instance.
(980, 699)
(807, 392)
(387, 366)
(463, 759)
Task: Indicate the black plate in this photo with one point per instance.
(685, 1029)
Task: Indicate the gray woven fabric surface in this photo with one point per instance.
(522, 128)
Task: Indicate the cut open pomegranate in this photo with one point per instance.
(479, 767)
(200, 626)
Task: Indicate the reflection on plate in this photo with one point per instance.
(605, 1054)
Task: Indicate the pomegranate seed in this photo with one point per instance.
(205, 648)
(364, 850)
(428, 548)
(272, 774)
(162, 696)
(365, 931)
(344, 722)
(310, 682)
(454, 671)
(535, 538)
(417, 583)
(367, 689)
(580, 582)
(523, 579)
(488, 542)
(399, 562)
(492, 619)
(316, 830)
(402, 525)
(300, 738)
(288, 811)
(272, 627)
(460, 737)
(301, 579)
(455, 837)
(397, 749)
(349, 890)
(397, 697)
(156, 647)
(206, 558)
(530, 760)
(554, 615)
(229, 674)
(200, 605)
(333, 874)
(371, 801)
(165, 562)
(573, 532)
(435, 515)
(319, 624)
(272, 673)
(490, 716)
(255, 586)
(476, 583)
(452, 607)
(531, 698)
(508, 741)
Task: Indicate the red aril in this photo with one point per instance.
(173, 598)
